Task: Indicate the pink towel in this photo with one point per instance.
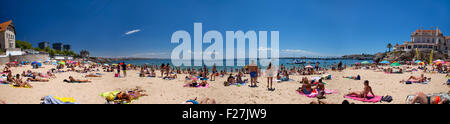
(372, 99)
(314, 93)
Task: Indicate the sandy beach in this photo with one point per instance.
(172, 91)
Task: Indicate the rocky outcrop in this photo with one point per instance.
(408, 56)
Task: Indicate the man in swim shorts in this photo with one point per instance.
(253, 69)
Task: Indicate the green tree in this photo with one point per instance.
(23, 45)
(389, 46)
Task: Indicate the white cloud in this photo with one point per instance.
(132, 31)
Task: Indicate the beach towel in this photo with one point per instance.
(417, 82)
(370, 99)
(198, 86)
(279, 81)
(111, 98)
(19, 87)
(409, 98)
(314, 93)
(57, 100)
(239, 84)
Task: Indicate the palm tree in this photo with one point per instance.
(389, 46)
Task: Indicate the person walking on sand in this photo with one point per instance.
(269, 72)
(253, 69)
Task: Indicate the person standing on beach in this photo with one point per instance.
(118, 69)
(340, 65)
(167, 69)
(162, 68)
(124, 68)
(214, 71)
(253, 69)
(269, 73)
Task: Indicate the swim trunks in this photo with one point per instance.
(253, 74)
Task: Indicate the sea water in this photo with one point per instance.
(286, 62)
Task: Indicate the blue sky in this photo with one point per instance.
(143, 28)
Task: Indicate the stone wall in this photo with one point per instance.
(28, 57)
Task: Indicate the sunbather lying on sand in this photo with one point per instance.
(92, 75)
(73, 80)
(422, 98)
(35, 79)
(364, 93)
(194, 83)
(171, 76)
(130, 95)
(352, 77)
(202, 101)
(422, 78)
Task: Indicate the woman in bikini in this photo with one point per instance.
(73, 80)
(305, 88)
(203, 101)
(364, 93)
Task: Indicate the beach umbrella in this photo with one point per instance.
(384, 62)
(395, 64)
(357, 63)
(39, 64)
(33, 62)
(365, 62)
(62, 62)
(106, 64)
(438, 61)
(309, 66)
(417, 61)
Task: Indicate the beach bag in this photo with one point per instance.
(386, 98)
(116, 75)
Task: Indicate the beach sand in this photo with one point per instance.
(172, 91)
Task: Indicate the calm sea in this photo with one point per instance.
(286, 62)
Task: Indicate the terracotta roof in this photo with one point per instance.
(448, 37)
(4, 25)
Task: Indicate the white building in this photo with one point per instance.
(8, 39)
(421, 39)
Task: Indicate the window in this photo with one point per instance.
(415, 46)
